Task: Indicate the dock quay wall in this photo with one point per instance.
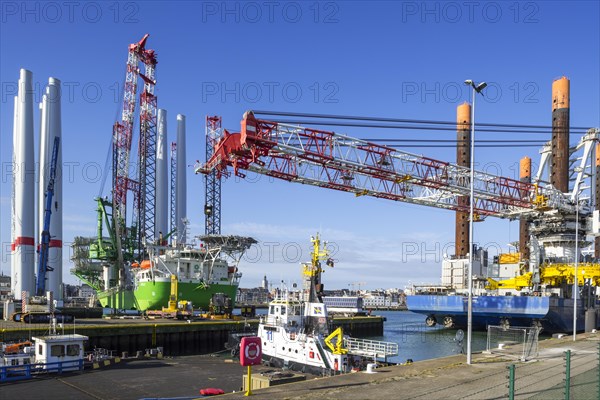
(361, 326)
(175, 337)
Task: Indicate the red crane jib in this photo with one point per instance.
(276, 150)
(139, 46)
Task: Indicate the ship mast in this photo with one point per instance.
(313, 271)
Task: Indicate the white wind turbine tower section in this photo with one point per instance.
(23, 216)
(181, 190)
(162, 183)
(51, 127)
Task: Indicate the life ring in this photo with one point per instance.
(196, 267)
(252, 351)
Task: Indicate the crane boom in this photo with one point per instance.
(335, 161)
(212, 208)
(40, 283)
(142, 226)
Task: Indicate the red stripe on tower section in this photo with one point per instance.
(55, 243)
(22, 241)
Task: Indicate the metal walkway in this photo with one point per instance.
(371, 348)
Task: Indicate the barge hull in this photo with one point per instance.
(555, 314)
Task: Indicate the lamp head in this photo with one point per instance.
(478, 88)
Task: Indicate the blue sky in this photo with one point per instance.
(390, 59)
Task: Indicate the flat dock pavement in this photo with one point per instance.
(135, 379)
(451, 378)
(443, 378)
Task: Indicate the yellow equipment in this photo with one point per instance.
(173, 296)
(509, 258)
(552, 275)
(556, 273)
(177, 309)
(318, 254)
(338, 346)
(540, 201)
(518, 282)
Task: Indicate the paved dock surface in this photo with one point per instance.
(451, 378)
(444, 378)
(147, 378)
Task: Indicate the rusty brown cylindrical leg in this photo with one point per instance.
(559, 176)
(597, 239)
(463, 159)
(525, 177)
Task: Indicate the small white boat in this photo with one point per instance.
(16, 354)
(51, 353)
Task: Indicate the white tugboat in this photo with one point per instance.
(295, 334)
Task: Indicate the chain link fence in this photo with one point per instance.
(514, 342)
(574, 376)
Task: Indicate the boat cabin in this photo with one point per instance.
(285, 312)
(60, 348)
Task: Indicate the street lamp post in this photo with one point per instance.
(575, 283)
(476, 89)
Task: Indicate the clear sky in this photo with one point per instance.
(404, 59)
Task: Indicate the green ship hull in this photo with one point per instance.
(155, 295)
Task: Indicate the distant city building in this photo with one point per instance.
(380, 298)
(83, 292)
(4, 287)
(391, 298)
(265, 283)
(70, 291)
(79, 296)
(336, 292)
(86, 291)
(253, 296)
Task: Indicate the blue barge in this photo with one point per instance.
(553, 313)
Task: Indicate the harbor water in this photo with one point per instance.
(418, 342)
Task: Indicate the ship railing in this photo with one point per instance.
(100, 354)
(287, 296)
(370, 348)
(19, 372)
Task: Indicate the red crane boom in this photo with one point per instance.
(334, 161)
(143, 188)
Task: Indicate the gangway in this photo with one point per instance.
(371, 348)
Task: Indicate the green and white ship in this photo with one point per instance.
(201, 272)
(131, 284)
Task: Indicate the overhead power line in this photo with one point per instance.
(411, 127)
(405, 121)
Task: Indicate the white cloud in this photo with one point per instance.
(377, 260)
(78, 225)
